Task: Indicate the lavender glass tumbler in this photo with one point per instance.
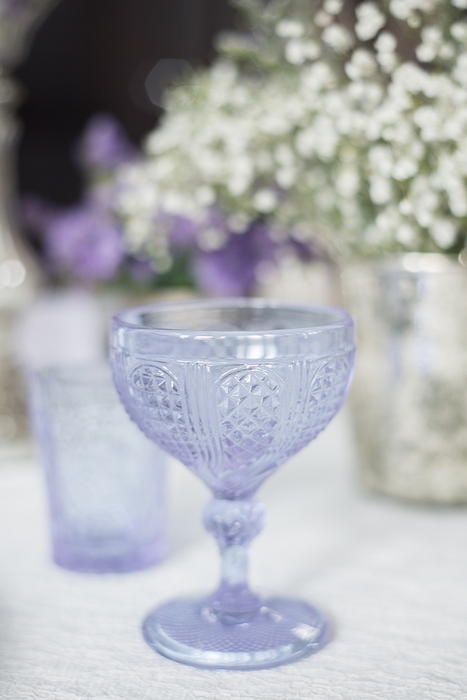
(105, 480)
(233, 388)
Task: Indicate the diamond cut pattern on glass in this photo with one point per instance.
(159, 392)
(249, 406)
(327, 393)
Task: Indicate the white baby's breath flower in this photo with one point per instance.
(432, 35)
(286, 177)
(405, 207)
(414, 21)
(436, 180)
(163, 260)
(305, 142)
(298, 51)
(382, 230)
(424, 202)
(333, 7)
(432, 44)
(388, 61)
(406, 234)
(176, 202)
(369, 21)
(323, 19)
(326, 138)
(356, 91)
(335, 104)
(240, 96)
(443, 232)
(428, 119)
(284, 155)
(424, 198)
(386, 42)
(459, 72)
(137, 233)
(211, 238)
(446, 51)
(338, 38)
(400, 133)
(459, 32)
(311, 50)
(371, 145)
(223, 73)
(349, 154)
(264, 161)
(238, 184)
(347, 182)
(294, 52)
(404, 168)
(317, 78)
(361, 65)
(454, 127)
(264, 201)
(458, 205)
(325, 198)
(275, 123)
(381, 160)
(436, 87)
(380, 190)
(238, 222)
(401, 9)
(205, 196)
(426, 53)
(417, 150)
(289, 28)
(428, 6)
(411, 77)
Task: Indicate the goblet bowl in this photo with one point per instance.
(233, 389)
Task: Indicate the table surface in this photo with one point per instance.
(392, 577)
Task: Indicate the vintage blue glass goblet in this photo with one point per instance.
(233, 388)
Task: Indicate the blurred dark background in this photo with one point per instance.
(92, 56)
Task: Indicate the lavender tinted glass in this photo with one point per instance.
(105, 479)
(233, 389)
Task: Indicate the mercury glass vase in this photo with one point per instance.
(409, 397)
(233, 389)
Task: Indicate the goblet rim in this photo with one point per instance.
(344, 319)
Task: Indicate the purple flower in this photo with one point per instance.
(36, 215)
(84, 242)
(142, 270)
(182, 232)
(16, 8)
(105, 145)
(232, 270)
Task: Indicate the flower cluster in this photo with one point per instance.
(84, 244)
(322, 120)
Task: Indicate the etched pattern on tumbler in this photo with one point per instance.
(105, 479)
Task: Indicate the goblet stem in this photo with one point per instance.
(234, 524)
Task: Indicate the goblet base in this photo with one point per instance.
(280, 631)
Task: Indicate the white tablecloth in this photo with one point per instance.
(392, 576)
